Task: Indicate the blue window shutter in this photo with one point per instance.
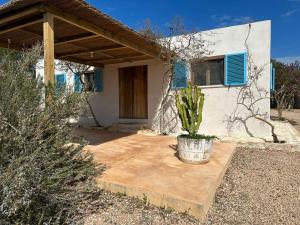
(77, 83)
(236, 69)
(98, 80)
(60, 81)
(180, 74)
(272, 78)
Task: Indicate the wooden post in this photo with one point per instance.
(48, 27)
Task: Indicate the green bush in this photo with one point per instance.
(43, 178)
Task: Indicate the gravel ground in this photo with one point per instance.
(260, 187)
(118, 209)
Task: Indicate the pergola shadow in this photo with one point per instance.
(98, 137)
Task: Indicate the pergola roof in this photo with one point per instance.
(82, 33)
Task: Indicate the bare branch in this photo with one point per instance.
(250, 96)
(177, 45)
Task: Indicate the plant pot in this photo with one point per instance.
(194, 151)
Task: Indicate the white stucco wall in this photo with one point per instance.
(220, 101)
(106, 103)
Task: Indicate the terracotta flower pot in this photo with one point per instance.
(194, 151)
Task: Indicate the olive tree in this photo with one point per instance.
(287, 85)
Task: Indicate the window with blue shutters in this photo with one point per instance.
(236, 69)
(98, 79)
(93, 81)
(60, 81)
(272, 77)
(180, 74)
(77, 83)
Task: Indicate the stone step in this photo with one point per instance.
(127, 127)
(286, 132)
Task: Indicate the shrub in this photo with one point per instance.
(43, 177)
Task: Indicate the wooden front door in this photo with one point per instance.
(133, 97)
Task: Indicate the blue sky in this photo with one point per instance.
(209, 14)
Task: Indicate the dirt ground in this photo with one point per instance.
(259, 187)
(293, 116)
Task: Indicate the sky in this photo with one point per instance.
(210, 14)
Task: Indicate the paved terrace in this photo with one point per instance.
(141, 165)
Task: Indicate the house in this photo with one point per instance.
(132, 92)
(129, 74)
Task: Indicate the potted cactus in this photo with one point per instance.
(192, 147)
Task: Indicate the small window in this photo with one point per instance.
(209, 72)
(180, 74)
(89, 81)
(92, 81)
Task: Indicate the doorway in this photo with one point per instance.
(133, 92)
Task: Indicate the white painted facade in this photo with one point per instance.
(58, 71)
(220, 101)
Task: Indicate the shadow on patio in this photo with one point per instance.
(97, 137)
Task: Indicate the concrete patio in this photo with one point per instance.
(147, 167)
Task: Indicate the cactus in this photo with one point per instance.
(189, 103)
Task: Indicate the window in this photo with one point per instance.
(210, 72)
(89, 81)
(180, 74)
(92, 81)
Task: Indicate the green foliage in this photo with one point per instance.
(189, 103)
(287, 75)
(287, 85)
(42, 173)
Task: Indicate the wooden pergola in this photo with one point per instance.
(71, 30)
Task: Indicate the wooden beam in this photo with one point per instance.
(103, 53)
(80, 37)
(48, 29)
(95, 50)
(39, 34)
(125, 59)
(76, 45)
(99, 31)
(19, 14)
(13, 46)
(115, 61)
(121, 57)
(75, 53)
(76, 60)
(20, 26)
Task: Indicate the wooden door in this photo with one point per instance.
(125, 93)
(133, 97)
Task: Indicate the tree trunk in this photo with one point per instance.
(93, 114)
(88, 102)
(279, 112)
(274, 135)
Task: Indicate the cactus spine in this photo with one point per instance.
(189, 103)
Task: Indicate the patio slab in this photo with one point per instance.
(147, 167)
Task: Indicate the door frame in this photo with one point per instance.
(146, 98)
